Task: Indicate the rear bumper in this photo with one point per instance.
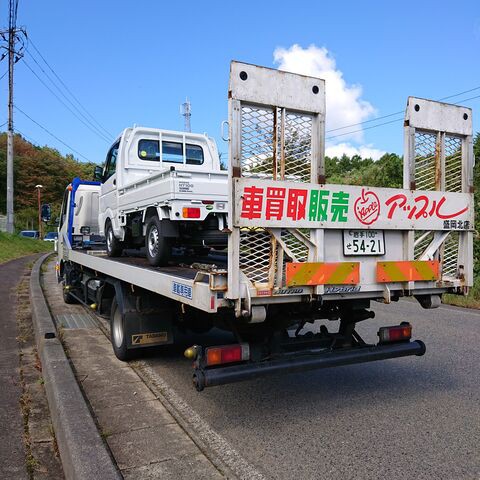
(302, 362)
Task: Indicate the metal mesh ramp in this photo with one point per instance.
(277, 121)
(439, 155)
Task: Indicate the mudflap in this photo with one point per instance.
(148, 329)
(148, 321)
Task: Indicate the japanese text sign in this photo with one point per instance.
(267, 203)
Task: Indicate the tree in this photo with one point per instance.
(35, 165)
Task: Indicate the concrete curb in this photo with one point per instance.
(82, 451)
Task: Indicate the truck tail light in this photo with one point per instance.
(189, 212)
(397, 333)
(207, 202)
(227, 354)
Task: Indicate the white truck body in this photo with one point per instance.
(162, 170)
(299, 249)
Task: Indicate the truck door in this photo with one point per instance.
(63, 222)
(108, 193)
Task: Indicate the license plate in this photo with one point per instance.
(363, 242)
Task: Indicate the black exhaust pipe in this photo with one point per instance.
(221, 375)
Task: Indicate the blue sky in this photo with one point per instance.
(135, 62)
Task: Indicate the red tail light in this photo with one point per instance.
(227, 354)
(397, 333)
(189, 212)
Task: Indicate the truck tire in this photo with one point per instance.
(118, 334)
(114, 246)
(158, 247)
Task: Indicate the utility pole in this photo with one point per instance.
(14, 56)
(186, 111)
(39, 198)
(11, 49)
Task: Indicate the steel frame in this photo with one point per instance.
(442, 120)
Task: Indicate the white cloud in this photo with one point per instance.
(343, 102)
(365, 151)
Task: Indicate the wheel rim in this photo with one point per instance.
(153, 241)
(117, 328)
(109, 239)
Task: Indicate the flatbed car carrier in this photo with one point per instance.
(299, 250)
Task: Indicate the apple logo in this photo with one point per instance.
(367, 207)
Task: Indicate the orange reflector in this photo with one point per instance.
(214, 356)
(408, 271)
(227, 354)
(307, 273)
(189, 212)
(397, 333)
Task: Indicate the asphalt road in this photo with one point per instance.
(413, 417)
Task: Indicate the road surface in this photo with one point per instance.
(414, 417)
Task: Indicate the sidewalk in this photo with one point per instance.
(12, 452)
(144, 439)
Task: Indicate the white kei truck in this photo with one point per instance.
(289, 248)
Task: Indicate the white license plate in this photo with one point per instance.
(363, 242)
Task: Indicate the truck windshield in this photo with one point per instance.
(172, 152)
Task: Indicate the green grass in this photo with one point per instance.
(472, 300)
(13, 246)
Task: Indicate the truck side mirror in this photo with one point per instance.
(98, 173)
(46, 212)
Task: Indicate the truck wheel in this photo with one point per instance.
(118, 335)
(114, 246)
(158, 247)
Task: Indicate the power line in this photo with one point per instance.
(4, 74)
(396, 113)
(50, 133)
(467, 99)
(399, 119)
(68, 99)
(68, 90)
(362, 129)
(103, 137)
(32, 140)
(361, 123)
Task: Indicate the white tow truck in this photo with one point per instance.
(299, 250)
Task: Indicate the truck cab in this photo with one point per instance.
(160, 185)
(79, 214)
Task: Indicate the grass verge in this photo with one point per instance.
(13, 246)
(472, 300)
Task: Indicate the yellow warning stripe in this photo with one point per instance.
(409, 271)
(322, 273)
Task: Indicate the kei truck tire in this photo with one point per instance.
(157, 246)
(114, 246)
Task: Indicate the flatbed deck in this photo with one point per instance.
(200, 284)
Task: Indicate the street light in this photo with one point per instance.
(39, 196)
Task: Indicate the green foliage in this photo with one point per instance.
(37, 166)
(385, 172)
(13, 246)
